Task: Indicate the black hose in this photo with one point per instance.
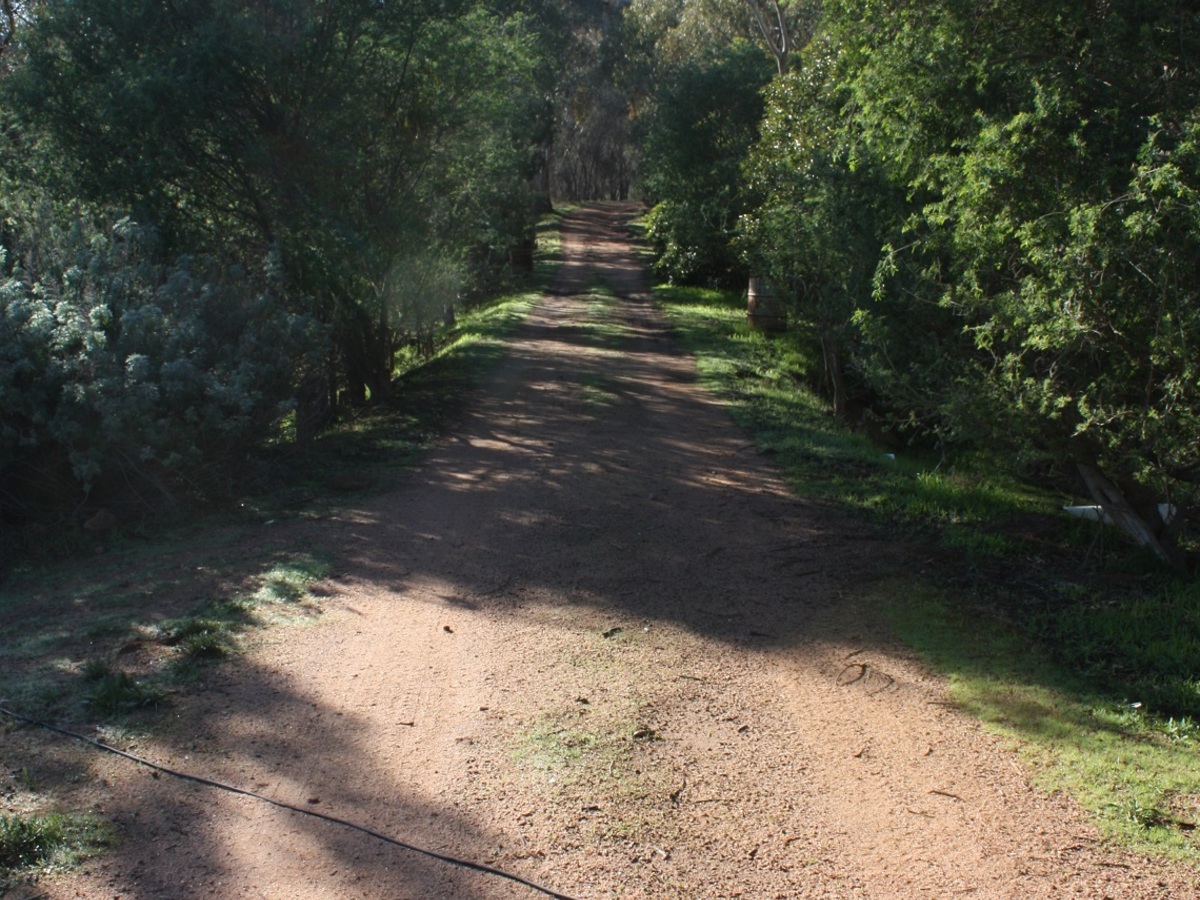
(208, 782)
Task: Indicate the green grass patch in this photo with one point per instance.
(203, 638)
(1145, 644)
(117, 693)
(39, 841)
(212, 631)
(288, 581)
(71, 660)
(1135, 770)
(1096, 673)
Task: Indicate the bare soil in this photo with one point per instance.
(595, 641)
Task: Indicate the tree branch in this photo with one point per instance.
(775, 36)
(1120, 512)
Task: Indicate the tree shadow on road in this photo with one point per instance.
(591, 472)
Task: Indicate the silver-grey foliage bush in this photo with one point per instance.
(119, 362)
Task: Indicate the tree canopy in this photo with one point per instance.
(983, 215)
(268, 180)
(988, 230)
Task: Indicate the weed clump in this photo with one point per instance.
(50, 839)
(30, 841)
(115, 692)
(202, 638)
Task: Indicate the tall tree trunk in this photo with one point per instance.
(837, 377)
(313, 411)
(772, 24)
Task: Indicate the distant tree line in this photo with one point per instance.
(984, 216)
(591, 156)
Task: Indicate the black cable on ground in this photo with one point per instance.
(208, 782)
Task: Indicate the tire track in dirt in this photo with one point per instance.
(595, 641)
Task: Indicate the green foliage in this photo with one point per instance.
(30, 841)
(343, 138)
(662, 35)
(993, 229)
(702, 123)
(1089, 350)
(121, 364)
(218, 217)
(586, 152)
(825, 208)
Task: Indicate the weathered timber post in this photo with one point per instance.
(765, 311)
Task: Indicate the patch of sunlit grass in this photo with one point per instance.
(1135, 770)
(49, 840)
(1119, 732)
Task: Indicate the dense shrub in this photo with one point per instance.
(996, 229)
(125, 366)
(703, 121)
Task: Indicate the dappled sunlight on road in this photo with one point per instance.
(595, 466)
(593, 638)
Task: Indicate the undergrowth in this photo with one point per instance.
(42, 841)
(1051, 629)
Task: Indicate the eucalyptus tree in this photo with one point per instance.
(785, 26)
(589, 155)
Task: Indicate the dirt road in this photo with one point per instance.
(594, 641)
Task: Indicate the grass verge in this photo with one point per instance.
(1134, 770)
(45, 841)
(369, 447)
(765, 380)
(1091, 662)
